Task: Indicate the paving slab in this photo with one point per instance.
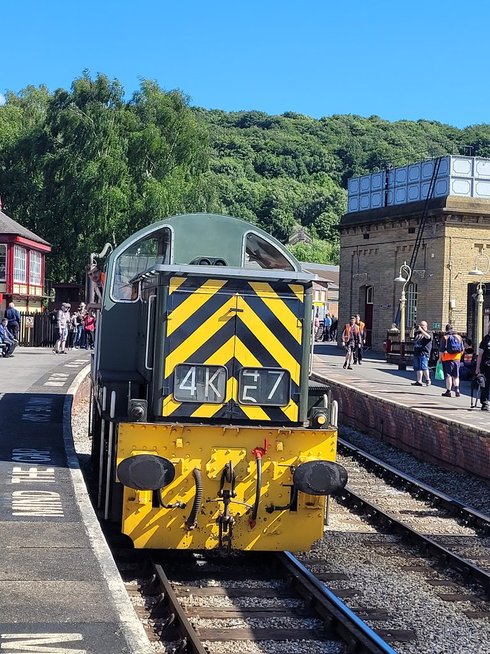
(44, 564)
(60, 591)
(75, 638)
(21, 535)
(383, 379)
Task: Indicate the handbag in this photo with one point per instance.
(439, 371)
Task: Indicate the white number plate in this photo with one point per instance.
(195, 383)
(264, 386)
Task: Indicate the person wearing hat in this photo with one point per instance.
(483, 368)
(62, 323)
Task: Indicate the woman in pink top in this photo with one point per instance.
(89, 329)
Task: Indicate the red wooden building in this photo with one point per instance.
(22, 266)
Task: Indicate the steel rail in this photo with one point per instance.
(359, 637)
(378, 515)
(387, 472)
(189, 641)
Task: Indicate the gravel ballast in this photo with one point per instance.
(381, 579)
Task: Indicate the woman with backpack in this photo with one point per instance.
(451, 348)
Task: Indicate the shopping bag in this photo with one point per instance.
(439, 371)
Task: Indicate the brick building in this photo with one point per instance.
(22, 266)
(325, 288)
(376, 241)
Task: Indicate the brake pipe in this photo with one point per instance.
(191, 522)
(258, 452)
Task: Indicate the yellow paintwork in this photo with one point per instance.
(210, 448)
(236, 308)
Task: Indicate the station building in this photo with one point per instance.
(433, 216)
(22, 266)
(325, 288)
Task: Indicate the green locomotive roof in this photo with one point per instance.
(207, 235)
(181, 242)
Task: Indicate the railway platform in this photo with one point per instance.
(59, 588)
(378, 399)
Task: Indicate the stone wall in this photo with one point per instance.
(373, 246)
(434, 439)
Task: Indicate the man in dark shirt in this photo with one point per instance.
(422, 346)
(13, 317)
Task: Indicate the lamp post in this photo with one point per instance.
(483, 270)
(403, 277)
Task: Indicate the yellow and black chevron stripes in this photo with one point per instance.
(193, 303)
(236, 324)
(280, 309)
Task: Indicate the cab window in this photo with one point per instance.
(137, 258)
(260, 253)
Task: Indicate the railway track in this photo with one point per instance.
(350, 564)
(439, 525)
(257, 602)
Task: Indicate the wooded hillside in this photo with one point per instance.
(86, 166)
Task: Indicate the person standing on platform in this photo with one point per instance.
(89, 329)
(13, 318)
(422, 347)
(333, 328)
(358, 352)
(451, 350)
(483, 368)
(80, 336)
(62, 324)
(316, 326)
(327, 324)
(351, 338)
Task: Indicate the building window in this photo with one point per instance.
(365, 236)
(20, 256)
(411, 305)
(3, 262)
(35, 268)
(369, 294)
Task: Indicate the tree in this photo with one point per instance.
(84, 166)
(316, 252)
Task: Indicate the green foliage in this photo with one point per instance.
(86, 166)
(290, 170)
(83, 167)
(317, 251)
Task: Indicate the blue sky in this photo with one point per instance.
(394, 59)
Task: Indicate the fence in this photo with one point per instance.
(36, 330)
(393, 348)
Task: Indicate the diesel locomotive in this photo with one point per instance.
(206, 430)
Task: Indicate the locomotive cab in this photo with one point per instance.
(203, 430)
